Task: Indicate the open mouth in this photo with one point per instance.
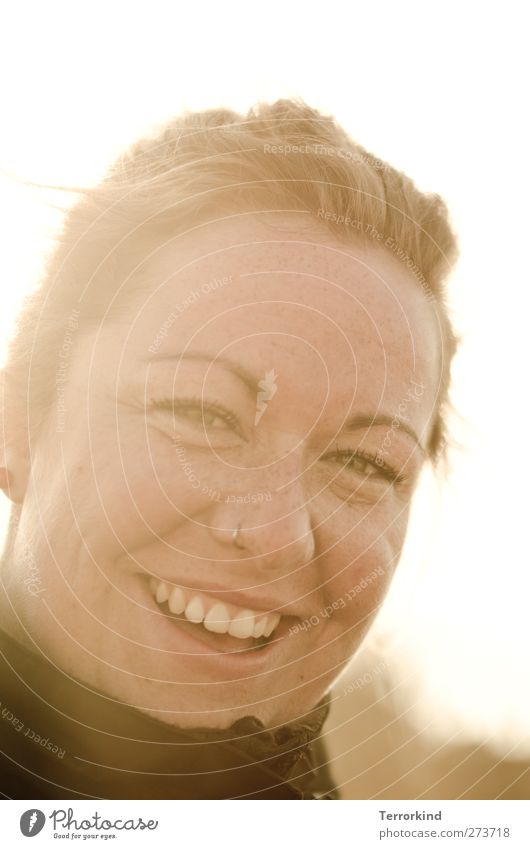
(220, 626)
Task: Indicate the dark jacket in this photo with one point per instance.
(61, 740)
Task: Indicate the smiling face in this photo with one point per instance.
(265, 376)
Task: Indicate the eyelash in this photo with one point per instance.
(211, 407)
(385, 470)
(170, 404)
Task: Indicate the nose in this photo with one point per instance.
(274, 533)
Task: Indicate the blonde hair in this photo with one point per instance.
(283, 155)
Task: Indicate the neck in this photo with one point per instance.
(10, 621)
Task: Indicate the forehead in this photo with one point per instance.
(285, 294)
(254, 262)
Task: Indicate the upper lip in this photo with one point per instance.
(263, 604)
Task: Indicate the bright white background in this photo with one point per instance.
(440, 91)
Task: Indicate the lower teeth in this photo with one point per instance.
(260, 642)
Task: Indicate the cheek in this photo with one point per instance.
(359, 567)
(126, 492)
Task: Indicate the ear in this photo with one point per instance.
(14, 455)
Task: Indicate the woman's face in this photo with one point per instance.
(264, 376)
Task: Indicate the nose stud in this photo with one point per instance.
(235, 534)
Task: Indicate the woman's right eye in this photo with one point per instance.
(208, 415)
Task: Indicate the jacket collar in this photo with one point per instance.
(122, 753)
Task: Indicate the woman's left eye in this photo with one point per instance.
(369, 466)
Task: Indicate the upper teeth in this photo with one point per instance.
(215, 615)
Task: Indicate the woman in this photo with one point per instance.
(215, 410)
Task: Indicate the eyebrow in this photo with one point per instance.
(358, 422)
(248, 379)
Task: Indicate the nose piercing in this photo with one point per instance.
(235, 533)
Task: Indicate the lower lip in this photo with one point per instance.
(236, 663)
